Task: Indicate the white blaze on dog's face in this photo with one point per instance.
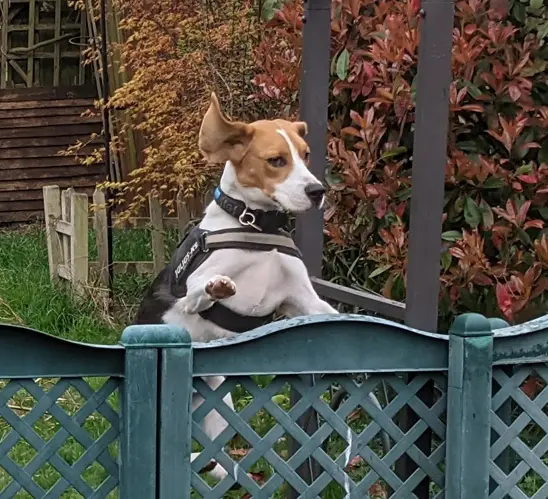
(270, 158)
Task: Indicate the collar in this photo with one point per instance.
(264, 221)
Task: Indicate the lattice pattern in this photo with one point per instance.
(519, 442)
(347, 446)
(58, 438)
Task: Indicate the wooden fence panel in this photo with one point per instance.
(35, 125)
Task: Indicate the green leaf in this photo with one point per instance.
(404, 194)
(468, 146)
(524, 169)
(493, 183)
(451, 235)
(542, 32)
(394, 152)
(333, 179)
(520, 12)
(543, 212)
(280, 399)
(472, 213)
(488, 219)
(524, 237)
(380, 270)
(343, 62)
(473, 90)
(543, 153)
(269, 9)
(536, 4)
(446, 260)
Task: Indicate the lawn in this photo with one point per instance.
(28, 298)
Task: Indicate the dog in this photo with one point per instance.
(239, 267)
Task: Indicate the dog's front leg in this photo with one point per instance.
(202, 294)
(302, 298)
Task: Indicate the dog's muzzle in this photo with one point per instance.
(316, 194)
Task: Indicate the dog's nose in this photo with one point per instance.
(315, 193)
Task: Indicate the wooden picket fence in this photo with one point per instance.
(69, 219)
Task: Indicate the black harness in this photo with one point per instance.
(260, 231)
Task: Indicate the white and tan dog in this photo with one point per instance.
(265, 177)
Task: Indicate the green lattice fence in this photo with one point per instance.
(58, 438)
(348, 446)
(82, 421)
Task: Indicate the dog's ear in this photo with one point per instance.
(221, 140)
(300, 127)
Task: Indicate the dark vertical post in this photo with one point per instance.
(106, 126)
(469, 408)
(313, 99)
(428, 175)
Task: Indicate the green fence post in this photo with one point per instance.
(175, 423)
(138, 434)
(155, 427)
(468, 408)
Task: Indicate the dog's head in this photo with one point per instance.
(270, 159)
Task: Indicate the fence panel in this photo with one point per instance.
(59, 417)
(350, 445)
(85, 421)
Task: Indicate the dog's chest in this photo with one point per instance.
(260, 286)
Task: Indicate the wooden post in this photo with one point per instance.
(66, 217)
(79, 242)
(100, 228)
(52, 213)
(183, 215)
(469, 408)
(157, 235)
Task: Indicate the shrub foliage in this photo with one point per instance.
(494, 253)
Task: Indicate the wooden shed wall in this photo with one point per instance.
(36, 123)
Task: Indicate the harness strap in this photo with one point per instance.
(242, 239)
(233, 321)
(195, 249)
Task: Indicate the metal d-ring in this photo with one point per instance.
(248, 219)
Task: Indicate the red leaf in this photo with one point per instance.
(415, 6)
(528, 179)
(537, 224)
(380, 207)
(531, 387)
(515, 92)
(355, 462)
(504, 301)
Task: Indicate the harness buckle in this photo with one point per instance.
(248, 219)
(202, 242)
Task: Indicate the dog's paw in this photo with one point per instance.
(220, 287)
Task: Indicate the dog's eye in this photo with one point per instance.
(307, 156)
(277, 162)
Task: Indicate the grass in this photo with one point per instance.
(28, 298)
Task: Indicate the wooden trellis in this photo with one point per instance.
(42, 44)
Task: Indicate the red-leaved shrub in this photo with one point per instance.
(494, 254)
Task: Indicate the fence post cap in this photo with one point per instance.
(497, 323)
(470, 324)
(155, 336)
